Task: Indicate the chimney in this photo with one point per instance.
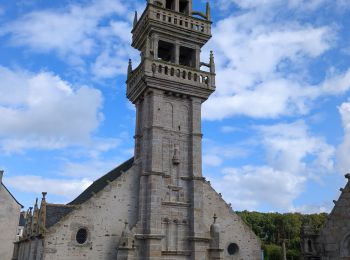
(1, 175)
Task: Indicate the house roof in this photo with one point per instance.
(12, 195)
(102, 182)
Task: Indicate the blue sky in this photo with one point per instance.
(276, 131)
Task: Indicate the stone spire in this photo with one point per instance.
(42, 214)
(135, 19)
(208, 12)
(35, 221)
(129, 68)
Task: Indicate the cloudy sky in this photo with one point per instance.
(276, 131)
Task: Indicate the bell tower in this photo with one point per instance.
(168, 89)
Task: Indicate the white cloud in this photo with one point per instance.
(251, 187)
(263, 64)
(290, 147)
(214, 154)
(43, 111)
(312, 209)
(68, 188)
(229, 129)
(69, 31)
(293, 157)
(212, 160)
(263, 60)
(94, 36)
(336, 83)
(294, 4)
(92, 169)
(343, 151)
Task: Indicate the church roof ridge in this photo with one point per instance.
(102, 182)
(60, 205)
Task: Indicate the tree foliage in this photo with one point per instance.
(274, 228)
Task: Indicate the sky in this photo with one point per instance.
(276, 131)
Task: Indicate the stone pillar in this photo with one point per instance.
(177, 5)
(198, 239)
(155, 46)
(177, 52)
(138, 131)
(151, 180)
(196, 141)
(198, 58)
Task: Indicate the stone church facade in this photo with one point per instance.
(156, 205)
(332, 242)
(10, 210)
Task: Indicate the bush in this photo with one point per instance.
(273, 252)
(293, 254)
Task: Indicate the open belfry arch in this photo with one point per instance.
(157, 205)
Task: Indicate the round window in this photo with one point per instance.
(232, 249)
(81, 236)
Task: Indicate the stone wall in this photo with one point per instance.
(9, 218)
(233, 229)
(103, 216)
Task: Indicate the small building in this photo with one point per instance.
(332, 242)
(10, 210)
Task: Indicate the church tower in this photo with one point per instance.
(168, 89)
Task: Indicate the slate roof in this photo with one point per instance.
(102, 182)
(55, 212)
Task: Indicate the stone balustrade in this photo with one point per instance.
(174, 18)
(173, 72)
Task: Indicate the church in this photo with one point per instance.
(157, 205)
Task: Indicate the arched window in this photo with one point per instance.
(81, 236)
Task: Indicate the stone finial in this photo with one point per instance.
(135, 19)
(36, 203)
(129, 68)
(208, 12)
(335, 202)
(341, 189)
(347, 176)
(215, 218)
(1, 175)
(44, 195)
(30, 211)
(212, 62)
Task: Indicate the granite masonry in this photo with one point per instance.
(156, 205)
(10, 210)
